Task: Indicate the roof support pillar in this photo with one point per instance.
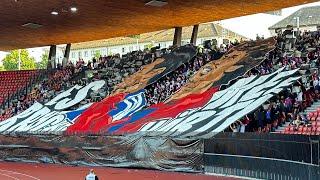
(52, 57)
(177, 37)
(194, 35)
(66, 55)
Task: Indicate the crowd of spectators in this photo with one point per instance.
(112, 69)
(285, 107)
(41, 92)
(172, 82)
(302, 52)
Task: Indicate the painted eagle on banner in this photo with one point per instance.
(110, 110)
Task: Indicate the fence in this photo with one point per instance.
(260, 168)
(263, 156)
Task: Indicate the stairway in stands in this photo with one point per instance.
(313, 115)
(312, 108)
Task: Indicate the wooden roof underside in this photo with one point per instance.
(103, 19)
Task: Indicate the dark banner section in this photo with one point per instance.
(154, 71)
(173, 61)
(114, 151)
(287, 147)
(234, 64)
(255, 55)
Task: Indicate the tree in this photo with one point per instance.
(11, 60)
(44, 61)
(97, 54)
(148, 46)
(2, 68)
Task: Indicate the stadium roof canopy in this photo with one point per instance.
(102, 19)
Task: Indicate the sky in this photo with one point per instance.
(251, 25)
(248, 26)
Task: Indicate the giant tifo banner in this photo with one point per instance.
(207, 113)
(196, 115)
(125, 117)
(151, 73)
(110, 110)
(235, 63)
(54, 116)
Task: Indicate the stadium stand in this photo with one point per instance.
(233, 64)
(12, 83)
(240, 110)
(112, 69)
(124, 75)
(289, 106)
(175, 80)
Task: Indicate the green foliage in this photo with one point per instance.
(97, 54)
(11, 61)
(148, 46)
(2, 68)
(44, 61)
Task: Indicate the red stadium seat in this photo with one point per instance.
(287, 129)
(291, 129)
(305, 129)
(314, 123)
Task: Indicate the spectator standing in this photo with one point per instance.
(91, 176)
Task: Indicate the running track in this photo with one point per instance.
(20, 171)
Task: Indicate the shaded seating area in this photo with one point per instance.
(12, 81)
(310, 128)
(12, 84)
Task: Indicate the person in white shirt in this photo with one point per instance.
(91, 176)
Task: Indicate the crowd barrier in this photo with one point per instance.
(263, 156)
(260, 168)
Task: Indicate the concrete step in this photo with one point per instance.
(281, 128)
(309, 110)
(313, 106)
